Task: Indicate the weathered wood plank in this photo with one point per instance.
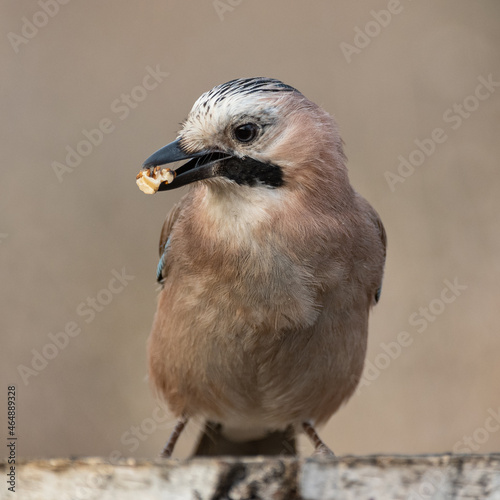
(371, 477)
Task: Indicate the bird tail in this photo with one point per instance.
(212, 442)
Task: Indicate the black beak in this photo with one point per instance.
(201, 166)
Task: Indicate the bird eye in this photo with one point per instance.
(246, 132)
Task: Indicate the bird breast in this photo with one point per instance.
(241, 304)
(234, 257)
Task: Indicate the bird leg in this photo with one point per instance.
(169, 447)
(320, 448)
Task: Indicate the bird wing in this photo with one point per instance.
(161, 270)
(383, 238)
(379, 251)
(381, 231)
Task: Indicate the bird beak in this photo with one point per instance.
(202, 164)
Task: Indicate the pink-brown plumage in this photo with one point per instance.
(263, 315)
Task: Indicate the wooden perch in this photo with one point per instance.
(371, 477)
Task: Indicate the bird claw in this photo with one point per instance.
(322, 451)
(320, 448)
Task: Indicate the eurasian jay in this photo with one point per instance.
(269, 266)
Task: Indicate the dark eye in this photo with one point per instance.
(246, 132)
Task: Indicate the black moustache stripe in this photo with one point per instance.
(247, 171)
(244, 171)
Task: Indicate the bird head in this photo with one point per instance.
(254, 132)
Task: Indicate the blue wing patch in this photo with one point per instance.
(162, 261)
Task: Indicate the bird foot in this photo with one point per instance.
(323, 451)
(169, 447)
(320, 448)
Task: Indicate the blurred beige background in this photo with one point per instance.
(389, 78)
